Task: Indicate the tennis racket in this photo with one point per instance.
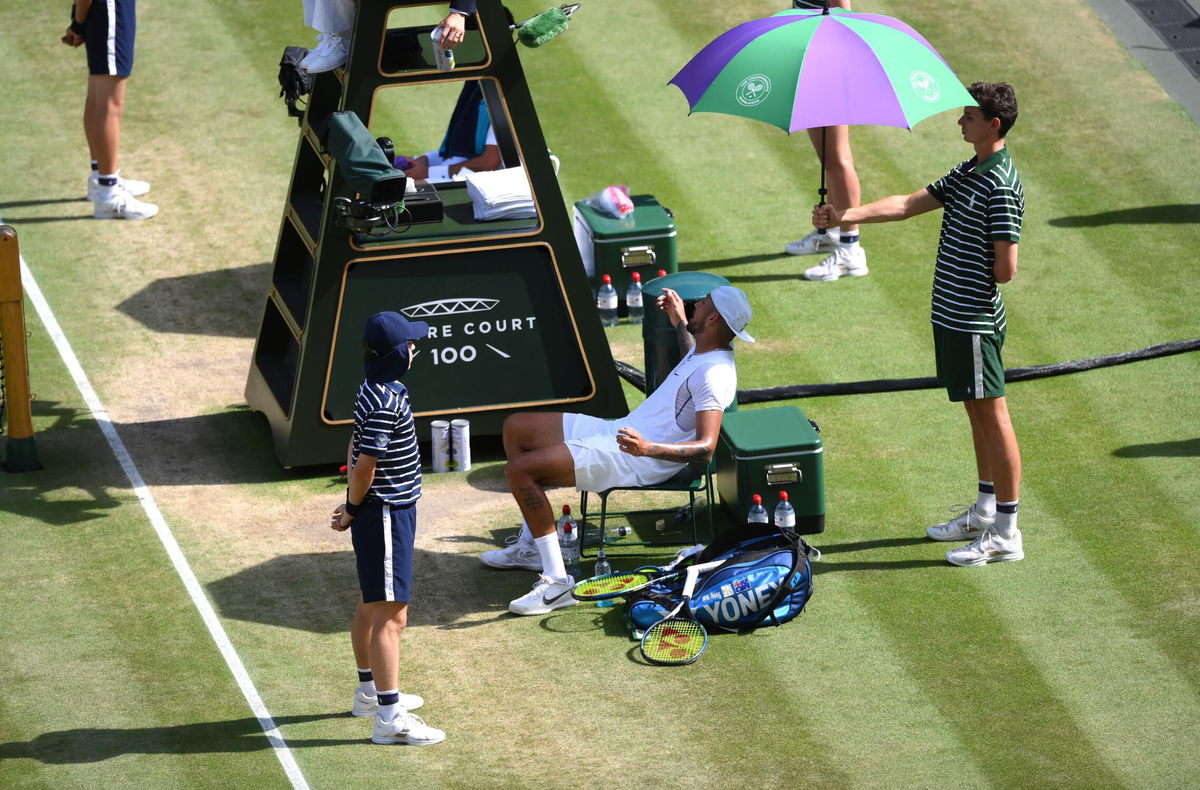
(620, 583)
(678, 638)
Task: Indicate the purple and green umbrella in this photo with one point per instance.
(804, 69)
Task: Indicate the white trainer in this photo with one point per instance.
(408, 729)
(546, 596)
(130, 185)
(521, 554)
(369, 705)
(967, 525)
(122, 205)
(327, 56)
(845, 262)
(322, 45)
(813, 243)
(988, 547)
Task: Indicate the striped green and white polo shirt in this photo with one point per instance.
(983, 203)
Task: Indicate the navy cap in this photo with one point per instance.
(388, 331)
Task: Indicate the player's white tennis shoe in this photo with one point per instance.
(546, 596)
(967, 525)
(130, 185)
(122, 205)
(845, 262)
(813, 243)
(408, 729)
(521, 554)
(988, 547)
(369, 705)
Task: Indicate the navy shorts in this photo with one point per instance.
(383, 538)
(111, 26)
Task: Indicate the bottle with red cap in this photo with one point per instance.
(606, 301)
(785, 514)
(633, 299)
(758, 513)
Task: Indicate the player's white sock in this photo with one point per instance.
(366, 682)
(388, 704)
(552, 561)
(848, 239)
(526, 536)
(985, 505)
(1006, 519)
(108, 187)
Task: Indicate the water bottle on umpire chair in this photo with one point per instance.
(606, 301)
(633, 299)
(785, 514)
(757, 513)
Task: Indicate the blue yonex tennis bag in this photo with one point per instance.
(765, 579)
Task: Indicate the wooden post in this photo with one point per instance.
(21, 447)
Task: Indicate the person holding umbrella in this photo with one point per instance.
(983, 205)
(833, 148)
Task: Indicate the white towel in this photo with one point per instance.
(501, 194)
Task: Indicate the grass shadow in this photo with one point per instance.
(222, 303)
(95, 744)
(1180, 448)
(823, 566)
(1172, 214)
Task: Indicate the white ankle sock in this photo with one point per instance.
(552, 561)
(985, 505)
(367, 687)
(1006, 520)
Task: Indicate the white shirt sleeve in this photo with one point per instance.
(713, 387)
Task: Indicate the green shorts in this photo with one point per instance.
(969, 366)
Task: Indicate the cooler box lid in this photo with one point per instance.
(780, 430)
(649, 219)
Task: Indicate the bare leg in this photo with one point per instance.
(360, 634)
(996, 452)
(102, 119)
(842, 178)
(529, 473)
(531, 430)
(388, 620)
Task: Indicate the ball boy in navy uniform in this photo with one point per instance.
(384, 482)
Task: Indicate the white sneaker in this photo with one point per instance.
(521, 554)
(322, 45)
(988, 547)
(813, 243)
(122, 205)
(407, 728)
(327, 57)
(967, 525)
(546, 596)
(130, 185)
(369, 706)
(845, 262)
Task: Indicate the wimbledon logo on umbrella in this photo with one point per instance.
(753, 90)
(925, 86)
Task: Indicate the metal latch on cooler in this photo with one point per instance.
(638, 256)
(783, 474)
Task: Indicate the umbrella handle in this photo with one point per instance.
(822, 192)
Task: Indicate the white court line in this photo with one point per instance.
(100, 414)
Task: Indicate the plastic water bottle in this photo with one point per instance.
(570, 550)
(785, 514)
(606, 301)
(758, 513)
(633, 299)
(661, 273)
(565, 518)
(602, 567)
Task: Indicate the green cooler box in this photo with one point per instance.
(644, 242)
(766, 451)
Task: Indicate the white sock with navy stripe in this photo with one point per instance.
(1006, 519)
(848, 239)
(985, 505)
(366, 682)
(389, 705)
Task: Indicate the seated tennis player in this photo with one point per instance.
(676, 425)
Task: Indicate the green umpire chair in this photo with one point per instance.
(694, 479)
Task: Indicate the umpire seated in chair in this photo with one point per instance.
(678, 424)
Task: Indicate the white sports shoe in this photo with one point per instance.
(328, 55)
(845, 262)
(369, 706)
(122, 205)
(130, 185)
(521, 554)
(407, 728)
(967, 525)
(988, 547)
(813, 243)
(546, 596)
